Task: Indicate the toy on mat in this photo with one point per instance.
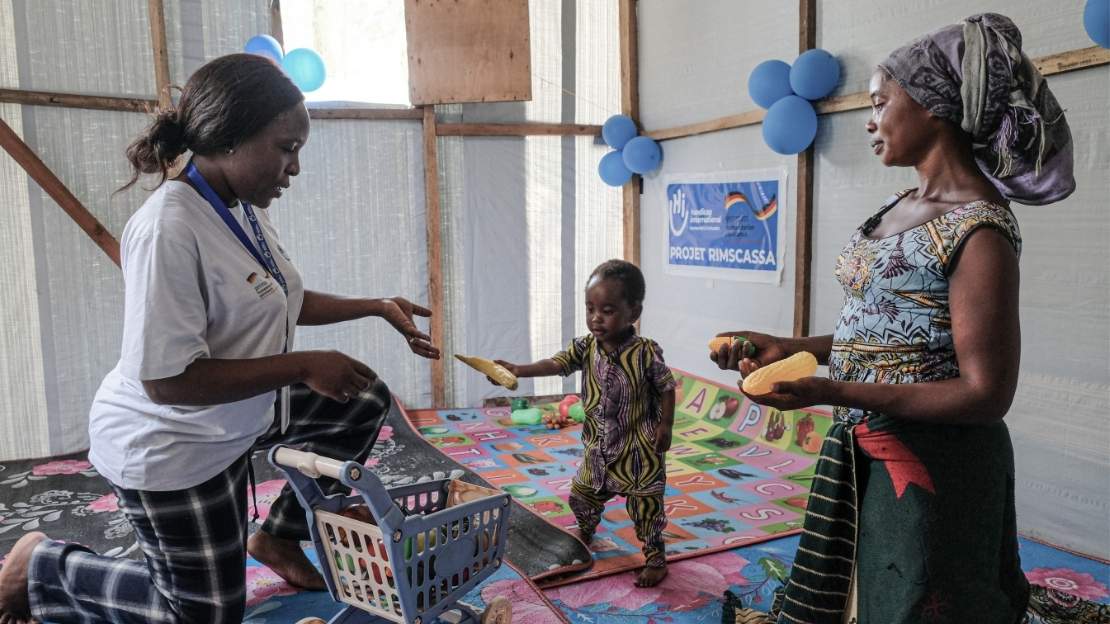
(577, 413)
(801, 364)
(406, 554)
(490, 369)
(526, 416)
(570, 410)
(555, 420)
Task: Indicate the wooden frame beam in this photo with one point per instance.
(73, 100)
(803, 228)
(520, 129)
(156, 14)
(630, 105)
(435, 253)
(40, 173)
(372, 114)
(1050, 65)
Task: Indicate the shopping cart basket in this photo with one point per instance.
(404, 554)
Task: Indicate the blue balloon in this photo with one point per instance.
(612, 169)
(769, 82)
(814, 74)
(618, 130)
(642, 154)
(264, 45)
(1096, 19)
(790, 125)
(305, 68)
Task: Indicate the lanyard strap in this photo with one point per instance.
(265, 258)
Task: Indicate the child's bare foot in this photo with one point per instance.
(286, 559)
(651, 576)
(15, 605)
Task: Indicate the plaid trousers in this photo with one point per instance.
(194, 540)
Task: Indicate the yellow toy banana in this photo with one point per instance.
(801, 364)
(491, 369)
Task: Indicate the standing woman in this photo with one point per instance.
(911, 516)
(212, 302)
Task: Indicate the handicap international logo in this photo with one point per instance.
(680, 215)
(252, 277)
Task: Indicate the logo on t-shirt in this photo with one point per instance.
(262, 285)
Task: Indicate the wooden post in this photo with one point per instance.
(276, 30)
(156, 13)
(803, 240)
(630, 105)
(54, 187)
(435, 253)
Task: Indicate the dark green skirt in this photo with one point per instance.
(937, 537)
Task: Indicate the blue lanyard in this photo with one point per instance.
(265, 258)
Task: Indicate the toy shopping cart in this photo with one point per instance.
(406, 554)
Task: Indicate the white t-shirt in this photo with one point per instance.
(191, 290)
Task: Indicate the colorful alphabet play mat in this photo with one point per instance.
(737, 472)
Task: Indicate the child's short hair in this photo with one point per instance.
(629, 276)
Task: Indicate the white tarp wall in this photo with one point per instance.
(694, 63)
(524, 220)
(527, 219)
(353, 220)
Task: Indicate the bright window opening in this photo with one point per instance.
(363, 45)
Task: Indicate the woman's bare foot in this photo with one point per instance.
(286, 559)
(651, 576)
(15, 605)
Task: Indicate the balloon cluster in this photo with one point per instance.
(786, 92)
(303, 65)
(631, 153)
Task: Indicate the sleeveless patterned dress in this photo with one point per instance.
(891, 499)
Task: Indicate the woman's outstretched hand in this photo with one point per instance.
(739, 356)
(399, 312)
(790, 395)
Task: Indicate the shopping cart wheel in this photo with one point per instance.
(498, 611)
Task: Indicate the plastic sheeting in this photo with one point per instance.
(526, 221)
(354, 223)
(354, 220)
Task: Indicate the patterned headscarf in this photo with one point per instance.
(975, 75)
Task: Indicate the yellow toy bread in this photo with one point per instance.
(797, 366)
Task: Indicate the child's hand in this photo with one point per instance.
(662, 439)
(512, 368)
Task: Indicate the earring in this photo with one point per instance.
(230, 151)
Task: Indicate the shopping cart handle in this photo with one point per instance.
(311, 465)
